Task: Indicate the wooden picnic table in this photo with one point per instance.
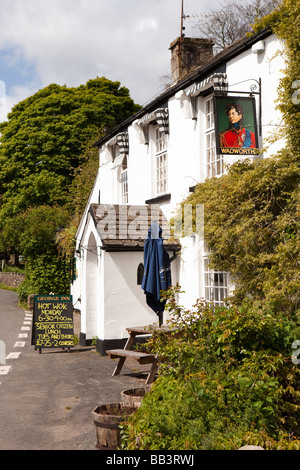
(141, 357)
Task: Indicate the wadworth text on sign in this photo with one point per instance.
(53, 322)
(236, 127)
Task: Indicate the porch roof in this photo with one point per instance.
(125, 227)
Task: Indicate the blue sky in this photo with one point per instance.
(15, 70)
(71, 41)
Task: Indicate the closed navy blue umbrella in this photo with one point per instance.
(157, 271)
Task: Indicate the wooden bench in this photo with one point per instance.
(142, 358)
(127, 352)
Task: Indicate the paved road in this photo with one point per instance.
(46, 400)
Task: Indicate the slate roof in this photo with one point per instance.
(125, 227)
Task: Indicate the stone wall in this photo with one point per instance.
(11, 279)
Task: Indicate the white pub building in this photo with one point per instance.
(219, 108)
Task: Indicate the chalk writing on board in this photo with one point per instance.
(53, 322)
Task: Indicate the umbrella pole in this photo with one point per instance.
(160, 318)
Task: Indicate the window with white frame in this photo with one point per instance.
(161, 161)
(124, 181)
(214, 161)
(215, 285)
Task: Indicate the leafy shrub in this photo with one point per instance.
(45, 274)
(226, 380)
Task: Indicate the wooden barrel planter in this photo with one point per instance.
(107, 419)
(134, 396)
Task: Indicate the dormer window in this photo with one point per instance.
(117, 147)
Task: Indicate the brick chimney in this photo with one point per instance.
(189, 55)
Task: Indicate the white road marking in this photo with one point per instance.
(19, 344)
(13, 355)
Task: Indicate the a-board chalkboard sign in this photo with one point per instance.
(53, 322)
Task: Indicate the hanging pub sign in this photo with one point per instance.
(53, 322)
(235, 123)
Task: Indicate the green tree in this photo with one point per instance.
(80, 188)
(45, 146)
(84, 178)
(42, 141)
(33, 233)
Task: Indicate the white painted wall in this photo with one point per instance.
(183, 154)
(120, 302)
(139, 167)
(110, 298)
(186, 154)
(124, 300)
(190, 270)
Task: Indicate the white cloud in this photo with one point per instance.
(146, 24)
(17, 93)
(71, 41)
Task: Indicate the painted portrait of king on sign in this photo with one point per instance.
(236, 128)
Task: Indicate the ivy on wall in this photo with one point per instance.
(252, 212)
